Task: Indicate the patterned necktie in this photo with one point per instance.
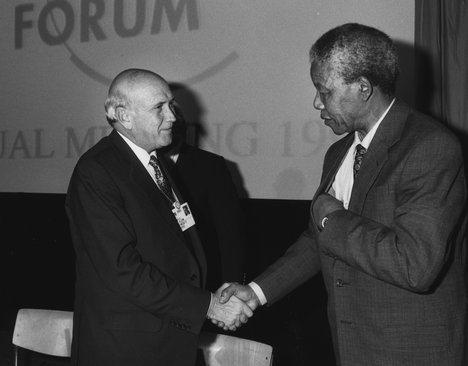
(161, 180)
(360, 151)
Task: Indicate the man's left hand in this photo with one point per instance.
(324, 205)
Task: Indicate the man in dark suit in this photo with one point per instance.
(140, 266)
(386, 226)
(205, 182)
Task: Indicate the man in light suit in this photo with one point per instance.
(386, 226)
(140, 266)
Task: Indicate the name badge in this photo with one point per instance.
(183, 215)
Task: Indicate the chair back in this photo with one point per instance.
(50, 332)
(44, 331)
(223, 350)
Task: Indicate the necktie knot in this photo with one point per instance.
(360, 151)
(161, 180)
(154, 161)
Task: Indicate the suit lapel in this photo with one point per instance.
(336, 158)
(387, 135)
(139, 175)
(332, 163)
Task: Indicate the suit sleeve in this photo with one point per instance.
(405, 233)
(299, 263)
(102, 232)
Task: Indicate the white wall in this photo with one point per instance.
(245, 64)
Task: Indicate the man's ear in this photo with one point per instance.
(365, 88)
(122, 116)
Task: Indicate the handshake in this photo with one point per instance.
(232, 305)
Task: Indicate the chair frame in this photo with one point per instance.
(224, 350)
(44, 331)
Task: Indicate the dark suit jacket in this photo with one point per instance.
(392, 263)
(205, 182)
(138, 277)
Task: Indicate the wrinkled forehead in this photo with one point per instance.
(324, 73)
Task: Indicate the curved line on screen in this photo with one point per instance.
(100, 78)
(93, 74)
(233, 56)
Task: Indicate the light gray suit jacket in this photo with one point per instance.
(393, 263)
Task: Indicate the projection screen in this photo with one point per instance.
(240, 67)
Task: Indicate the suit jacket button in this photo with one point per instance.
(339, 282)
(193, 277)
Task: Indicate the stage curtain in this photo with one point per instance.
(441, 45)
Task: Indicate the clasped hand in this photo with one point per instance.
(232, 305)
(324, 205)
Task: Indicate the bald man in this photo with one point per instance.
(140, 267)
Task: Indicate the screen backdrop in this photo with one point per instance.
(241, 70)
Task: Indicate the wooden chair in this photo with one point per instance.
(224, 350)
(45, 331)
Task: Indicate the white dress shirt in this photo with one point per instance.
(344, 179)
(142, 155)
(144, 158)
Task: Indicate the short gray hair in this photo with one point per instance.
(358, 50)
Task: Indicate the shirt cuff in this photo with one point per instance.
(258, 291)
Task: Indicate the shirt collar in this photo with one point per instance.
(370, 135)
(141, 153)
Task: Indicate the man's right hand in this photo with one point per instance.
(229, 314)
(242, 292)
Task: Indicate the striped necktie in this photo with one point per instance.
(360, 151)
(161, 179)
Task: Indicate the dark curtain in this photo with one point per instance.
(441, 44)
